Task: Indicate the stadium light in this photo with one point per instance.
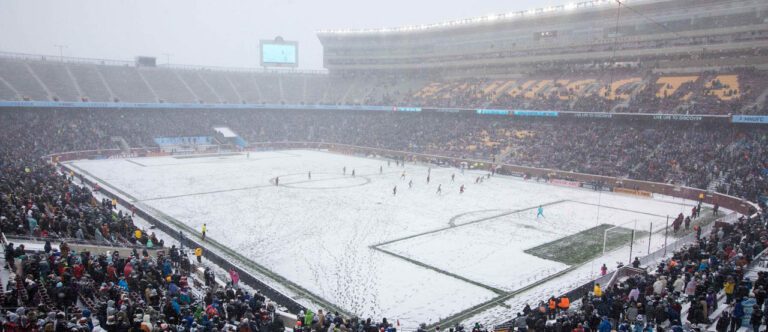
(61, 51)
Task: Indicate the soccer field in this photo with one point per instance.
(415, 256)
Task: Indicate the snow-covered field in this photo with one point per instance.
(319, 232)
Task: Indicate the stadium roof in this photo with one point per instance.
(487, 19)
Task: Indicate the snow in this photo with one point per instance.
(319, 232)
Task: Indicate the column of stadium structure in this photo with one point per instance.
(149, 86)
(38, 80)
(280, 88)
(184, 83)
(74, 81)
(210, 87)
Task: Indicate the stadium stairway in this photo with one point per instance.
(186, 86)
(74, 81)
(718, 182)
(758, 104)
(210, 87)
(121, 143)
(751, 273)
(106, 85)
(149, 86)
(38, 80)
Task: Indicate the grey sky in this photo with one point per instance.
(213, 32)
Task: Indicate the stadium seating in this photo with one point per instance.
(737, 91)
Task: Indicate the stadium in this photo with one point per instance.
(592, 166)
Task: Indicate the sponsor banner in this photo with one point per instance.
(535, 113)
(518, 113)
(594, 186)
(515, 174)
(641, 193)
(676, 117)
(407, 109)
(565, 183)
(749, 119)
(591, 115)
(492, 112)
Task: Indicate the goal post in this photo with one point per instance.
(631, 231)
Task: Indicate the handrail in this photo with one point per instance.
(80, 242)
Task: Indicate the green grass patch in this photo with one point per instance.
(585, 245)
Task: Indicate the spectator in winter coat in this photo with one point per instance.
(728, 288)
(598, 292)
(679, 285)
(605, 325)
(659, 286)
(756, 319)
(520, 323)
(127, 270)
(690, 289)
(723, 322)
(760, 295)
(737, 315)
(234, 276)
(634, 294)
(631, 313)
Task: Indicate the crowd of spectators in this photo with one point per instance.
(703, 284)
(60, 287)
(729, 159)
(627, 89)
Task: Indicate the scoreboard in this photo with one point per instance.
(279, 53)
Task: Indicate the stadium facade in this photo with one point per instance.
(580, 32)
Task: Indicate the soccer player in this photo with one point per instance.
(461, 189)
(540, 212)
(394, 191)
(410, 184)
(439, 189)
(309, 175)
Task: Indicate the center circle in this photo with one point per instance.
(321, 181)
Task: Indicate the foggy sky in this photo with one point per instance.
(214, 32)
